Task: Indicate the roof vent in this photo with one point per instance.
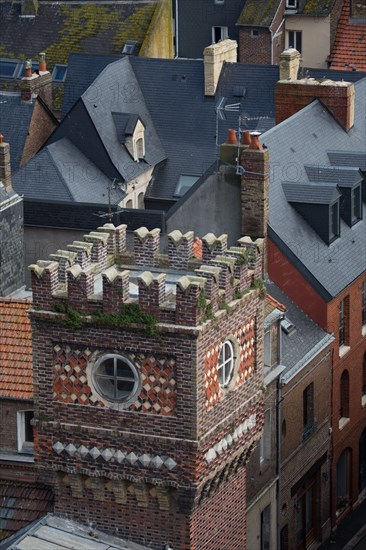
(288, 327)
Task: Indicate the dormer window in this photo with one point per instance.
(334, 230)
(291, 4)
(356, 213)
(131, 134)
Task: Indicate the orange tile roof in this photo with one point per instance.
(349, 48)
(271, 304)
(16, 377)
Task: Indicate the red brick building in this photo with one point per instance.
(317, 247)
(148, 398)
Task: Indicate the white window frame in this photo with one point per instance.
(291, 4)
(23, 445)
(226, 359)
(224, 33)
(254, 33)
(295, 45)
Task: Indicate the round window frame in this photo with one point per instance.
(107, 399)
(232, 342)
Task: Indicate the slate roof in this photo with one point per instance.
(55, 533)
(344, 177)
(62, 27)
(15, 119)
(320, 8)
(328, 268)
(349, 48)
(172, 92)
(307, 193)
(21, 504)
(16, 371)
(300, 346)
(258, 13)
(347, 158)
(61, 173)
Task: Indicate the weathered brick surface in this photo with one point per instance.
(41, 126)
(152, 469)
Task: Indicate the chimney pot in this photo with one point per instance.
(246, 139)
(231, 138)
(42, 62)
(255, 143)
(28, 68)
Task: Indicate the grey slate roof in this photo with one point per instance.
(61, 27)
(344, 177)
(302, 345)
(183, 118)
(4, 196)
(91, 124)
(15, 118)
(307, 137)
(356, 159)
(307, 193)
(53, 532)
(61, 173)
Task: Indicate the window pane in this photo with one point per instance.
(106, 368)
(124, 370)
(309, 509)
(124, 388)
(106, 386)
(28, 428)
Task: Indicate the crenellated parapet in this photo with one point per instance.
(89, 277)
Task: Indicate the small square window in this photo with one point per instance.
(291, 4)
(219, 2)
(130, 47)
(59, 73)
(254, 33)
(8, 69)
(185, 182)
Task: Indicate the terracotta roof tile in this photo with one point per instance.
(16, 378)
(349, 48)
(21, 504)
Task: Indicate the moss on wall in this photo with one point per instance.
(159, 37)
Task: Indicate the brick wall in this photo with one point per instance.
(303, 459)
(255, 49)
(161, 461)
(40, 128)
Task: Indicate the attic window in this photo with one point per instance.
(291, 4)
(9, 69)
(356, 214)
(130, 47)
(59, 73)
(254, 33)
(334, 230)
(185, 182)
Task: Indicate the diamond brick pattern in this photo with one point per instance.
(226, 442)
(245, 336)
(158, 381)
(246, 339)
(16, 369)
(114, 455)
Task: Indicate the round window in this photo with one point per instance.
(226, 363)
(116, 378)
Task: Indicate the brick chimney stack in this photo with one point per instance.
(37, 83)
(292, 95)
(5, 169)
(214, 56)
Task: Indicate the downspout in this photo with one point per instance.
(176, 31)
(273, 36)
(278, 439)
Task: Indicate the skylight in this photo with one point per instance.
(59, 73)
(185, 182)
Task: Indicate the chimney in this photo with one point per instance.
(255, 192)
(254, 189)
(289, 64)
(5, 168)
(214, 57)
(37, 83)
(292, 95)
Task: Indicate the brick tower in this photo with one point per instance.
(148, 380)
